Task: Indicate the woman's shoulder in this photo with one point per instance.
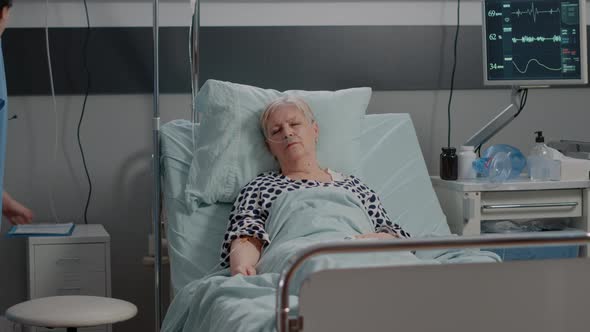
(267, 176)
(262, 178)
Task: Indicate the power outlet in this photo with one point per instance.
(8, 326)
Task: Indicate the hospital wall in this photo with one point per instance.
(116, 131)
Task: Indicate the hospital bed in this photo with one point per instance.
(483, 295)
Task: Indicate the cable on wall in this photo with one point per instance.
(85, 61)
(453, 73)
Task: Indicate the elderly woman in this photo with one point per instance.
(291, 135)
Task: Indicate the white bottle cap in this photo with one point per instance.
(467, 148)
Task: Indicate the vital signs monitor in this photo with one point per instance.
(534, 42)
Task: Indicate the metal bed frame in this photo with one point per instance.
(284, 320)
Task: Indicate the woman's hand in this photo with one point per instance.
(245, 253)
(380, 236)
(247, 270)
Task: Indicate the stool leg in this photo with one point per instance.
(72, 329)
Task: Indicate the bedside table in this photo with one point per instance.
(467, 203)
(79, 264)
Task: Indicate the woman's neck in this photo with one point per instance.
(301, 166)
(306, 170)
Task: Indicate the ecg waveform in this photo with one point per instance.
(529, 62)
(539, 39)
(533, 11)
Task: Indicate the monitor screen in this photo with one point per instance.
(540, 42)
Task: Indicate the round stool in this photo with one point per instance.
(71, 312)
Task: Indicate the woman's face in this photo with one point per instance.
(290, 135)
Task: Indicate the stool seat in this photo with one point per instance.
(71, 311)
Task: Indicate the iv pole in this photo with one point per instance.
(157, 225)
(156, 173)
(194, 58)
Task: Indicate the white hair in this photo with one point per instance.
(278, 103)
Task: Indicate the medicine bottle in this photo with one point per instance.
(448, 164)
(466, 157)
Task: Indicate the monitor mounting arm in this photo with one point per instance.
(499, 122)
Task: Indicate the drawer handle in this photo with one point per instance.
(67, 260)
(529, 205)
(69, 291)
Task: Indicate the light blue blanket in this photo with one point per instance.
(297, 220)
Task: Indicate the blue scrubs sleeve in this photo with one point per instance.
(3, 121)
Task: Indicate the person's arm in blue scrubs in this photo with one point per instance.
(13, 210)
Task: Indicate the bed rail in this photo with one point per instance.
(286, 323)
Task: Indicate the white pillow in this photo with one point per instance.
(231, 152)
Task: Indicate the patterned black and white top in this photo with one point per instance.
(251, 208)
